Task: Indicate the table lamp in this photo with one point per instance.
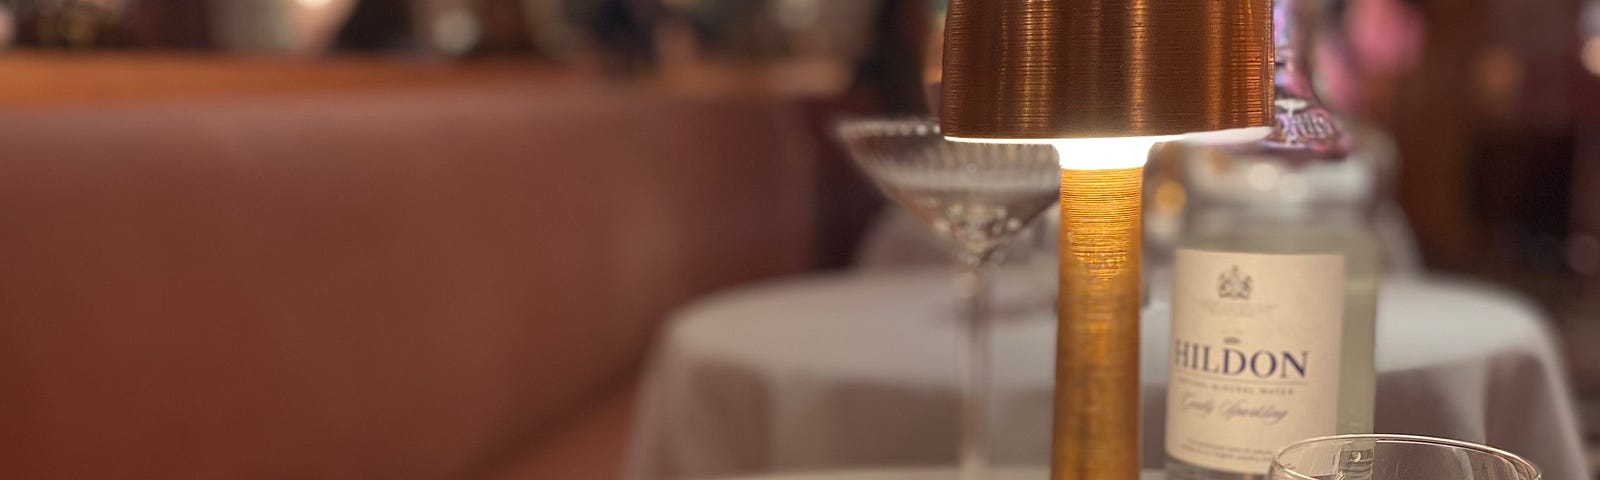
(1103, 81)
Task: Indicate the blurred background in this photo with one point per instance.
(438, 238)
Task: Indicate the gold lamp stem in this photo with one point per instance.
(1097, 345)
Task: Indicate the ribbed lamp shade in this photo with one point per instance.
(1047, 69)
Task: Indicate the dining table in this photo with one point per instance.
(919, 474)
(857, 370)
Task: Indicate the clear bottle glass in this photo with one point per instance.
(1275, 282)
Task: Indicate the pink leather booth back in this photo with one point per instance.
(396, 284)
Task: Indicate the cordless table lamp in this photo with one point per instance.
(1103, 81)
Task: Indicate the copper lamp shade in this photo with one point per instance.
(1049, 69)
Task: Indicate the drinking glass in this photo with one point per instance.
(1396, 457)
(976, 196)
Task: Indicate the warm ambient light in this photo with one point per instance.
(1124, 74)
(1106, 153)
(1591, 55)
(1112, 153)
(1097, 354)
(1091, 153)
(1097, 339)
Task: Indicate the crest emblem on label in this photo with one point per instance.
(1234, 284)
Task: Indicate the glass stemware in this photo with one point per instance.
(976, 196)
(1396, 457)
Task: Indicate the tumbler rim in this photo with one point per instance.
(1528, 470)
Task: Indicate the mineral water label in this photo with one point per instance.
(1255, 355)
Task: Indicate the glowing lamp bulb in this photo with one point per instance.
(1106, 153)
(1111, 153)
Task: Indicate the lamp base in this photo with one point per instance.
(1096, 433)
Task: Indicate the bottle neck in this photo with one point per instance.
(1270, 186)
(1303, 126)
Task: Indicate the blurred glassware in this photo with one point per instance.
(297, 27)
(976, 196)
(445, 27)
(1397, 457)
(896, 240)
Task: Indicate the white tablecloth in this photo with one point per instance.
(920, 474)
(857, 370)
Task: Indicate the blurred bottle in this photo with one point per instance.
(1278, 259)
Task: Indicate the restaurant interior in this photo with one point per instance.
(645, 239)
